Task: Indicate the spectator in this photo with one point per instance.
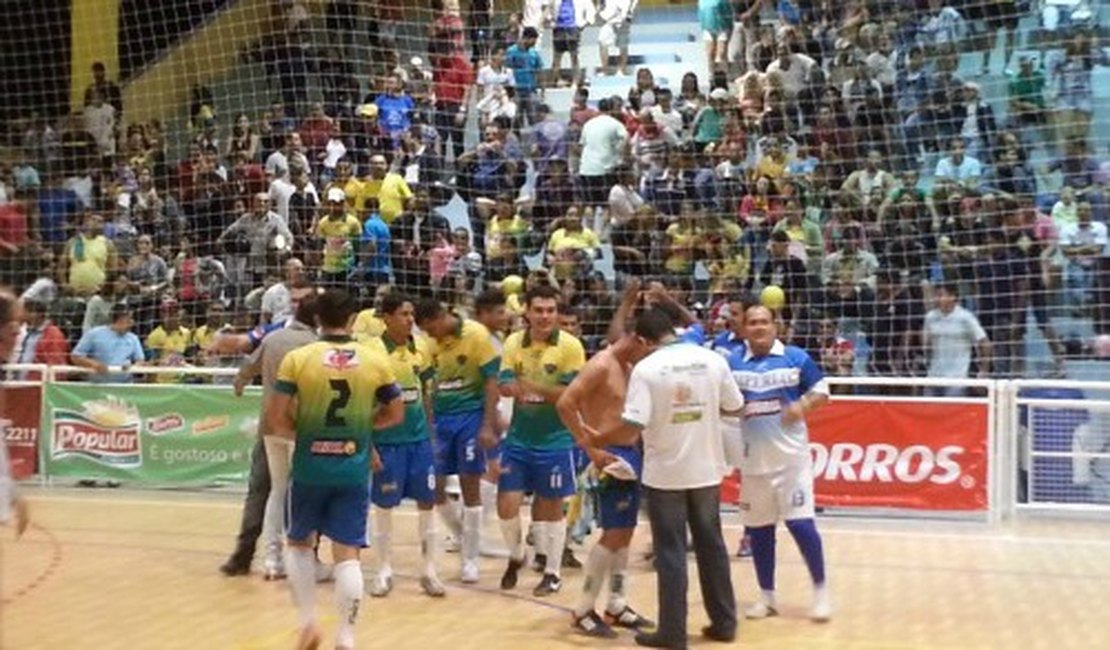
(893, 328)
(100, 122)
(570, 18)
(41, 341)
(494, 74)
(1009, 178)
(376, 247)
(454, 83)
(243, 140)
(715, 17)
(465, 269)
(110, 350)
(89, 257)
(292, 153)
(549, 139)
(604, 141)
(572, 248)
(850, 264)
(949, 334)
(340, 232)
(413, 235)
(525, 62)
(108, 89)
(785, 271)
(958, 168)
(860, 184)
(169, 342)
(1084, 243)
(616, 18)
(257, 233)
(277, 301)
(1026, 95)
(804, 233)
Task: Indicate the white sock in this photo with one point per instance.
(768, 597)
(300, 569)
(557, 541)
(513, 534)
(488, 492)
(618, 582)
(348, 597)
(471, 533)
(426, 525)
(449, 512)
(383, 539)
(540, 540)
(598, 564)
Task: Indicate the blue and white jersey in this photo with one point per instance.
(693, 334)
(256, 335)
(769, 384)
(727, 343)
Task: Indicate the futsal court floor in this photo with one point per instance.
(117, 569)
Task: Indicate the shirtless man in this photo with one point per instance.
(593, 403)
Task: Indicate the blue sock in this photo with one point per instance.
(809, 543)
(763, 555)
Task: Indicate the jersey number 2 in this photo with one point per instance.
(338, 403)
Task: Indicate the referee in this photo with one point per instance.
(676, 396)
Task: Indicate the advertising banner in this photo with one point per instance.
(915, 455)
(23, 405)
(148, 433)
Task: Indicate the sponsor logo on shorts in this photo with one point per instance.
(333, 447)
(165, 424)
(388, 488)
(884, 463)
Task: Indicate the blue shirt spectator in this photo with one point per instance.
(110, 347)
(376, 240)
(525, 62)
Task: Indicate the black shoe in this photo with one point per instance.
(592, 625)
(653, 640)
(235, 566)
(508, 579)
(715, 634)
(550, 584)
(539, 563)
(569, 561)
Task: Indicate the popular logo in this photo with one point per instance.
(105, 432)
(885, 463)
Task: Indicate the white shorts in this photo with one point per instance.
(733, 442)
(708, 36)
(765, 499)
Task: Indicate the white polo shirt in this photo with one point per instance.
(676, 395)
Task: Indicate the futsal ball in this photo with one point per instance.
(512, 285)
(773, 297)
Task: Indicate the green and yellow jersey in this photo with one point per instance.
(341, 237)
(463, 362)
(412, 365)
(553, 362)
(338, 383)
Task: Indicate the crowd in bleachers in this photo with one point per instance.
(835, 150)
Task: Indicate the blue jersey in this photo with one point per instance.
(256, 335)
(769, 384)
(693, 334)
(727, 343)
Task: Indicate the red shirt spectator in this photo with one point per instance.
(13, 227)
(453, 76)
(41, 342)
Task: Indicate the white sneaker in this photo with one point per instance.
(432, 586)
(761, 609)
(822, 607)
(381, 585)
(469, 573)
(273, 566)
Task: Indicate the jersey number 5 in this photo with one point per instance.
(342, 395)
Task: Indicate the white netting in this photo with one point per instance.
(858, 155)
(1068, 455)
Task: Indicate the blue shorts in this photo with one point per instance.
(581, 461)
(456, 444)
(619, 501)
(547, 473)
(408, 472)
(337, 512)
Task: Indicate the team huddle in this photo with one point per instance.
(378, 419)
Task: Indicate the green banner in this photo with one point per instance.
(168, 435)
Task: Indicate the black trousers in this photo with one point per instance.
(670, 511)
(254, 508)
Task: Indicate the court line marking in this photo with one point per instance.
(1002, 536)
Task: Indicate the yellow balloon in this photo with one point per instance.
(512, 285)
(773, 297)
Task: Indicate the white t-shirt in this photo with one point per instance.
(489, 79)
(1094, 235)
(100, 122)
(950, 338)
(603, 140)
(282, 190)
(278, 302)
(671, 119)
(676, 395)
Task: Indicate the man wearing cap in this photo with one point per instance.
(367, 138)
(339, 231)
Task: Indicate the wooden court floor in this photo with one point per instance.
(105, 570)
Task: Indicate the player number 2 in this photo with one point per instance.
(342, 395)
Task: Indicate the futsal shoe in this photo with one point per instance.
(381, 585)
(761, 609)
(745, 549)
(592, 625)
(509, 578)
(653, 640)
(469, 573)
(273, 566)
(822, 606)
(569, 561)
(629, 618)
(432, 586)
(549, 584)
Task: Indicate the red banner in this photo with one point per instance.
(23, 406)
(913, 455)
